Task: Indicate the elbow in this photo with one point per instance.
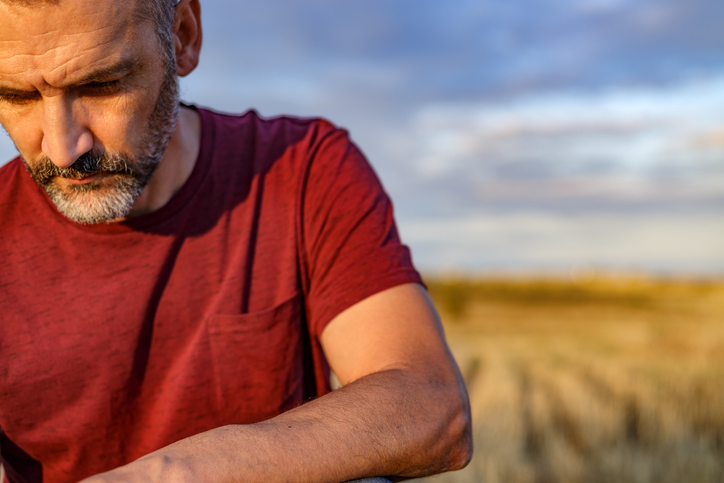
(439, 435)
(450, 445)
(462, 452)
(460, 436)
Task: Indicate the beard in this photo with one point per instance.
(123, 176)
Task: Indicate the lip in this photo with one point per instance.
(86, 180)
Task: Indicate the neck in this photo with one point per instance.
(178, 162)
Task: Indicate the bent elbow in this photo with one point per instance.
(460, 450)
(453, 439)
(443, 432)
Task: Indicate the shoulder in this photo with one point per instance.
(287, 145)
(20, 197)
(10, 177)
(10, 169)
(251, 127)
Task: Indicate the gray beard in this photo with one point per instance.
(113, 196)
(101, 201)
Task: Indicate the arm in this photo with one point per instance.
(403, 411)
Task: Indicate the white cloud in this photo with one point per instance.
(632, 133)
(550, 242)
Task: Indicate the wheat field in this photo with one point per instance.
(617, 379)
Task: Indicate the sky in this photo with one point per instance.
(529, 136)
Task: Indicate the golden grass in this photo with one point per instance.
(613, 380)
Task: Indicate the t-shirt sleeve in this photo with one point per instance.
(350, 242)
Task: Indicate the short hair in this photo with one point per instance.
(162, 14)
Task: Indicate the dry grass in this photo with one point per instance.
(613, 380)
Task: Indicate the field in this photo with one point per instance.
(604, 380)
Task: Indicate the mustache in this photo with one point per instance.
(89, 164)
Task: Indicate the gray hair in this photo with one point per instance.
(162, 14)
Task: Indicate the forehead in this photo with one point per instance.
(48, 43)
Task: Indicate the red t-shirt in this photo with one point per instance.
(118, 339)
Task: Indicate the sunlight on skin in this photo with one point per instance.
(51, 105)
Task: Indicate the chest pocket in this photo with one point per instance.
(257, 360)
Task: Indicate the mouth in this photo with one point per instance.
(85, 180)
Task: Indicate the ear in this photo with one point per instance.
(187, 36)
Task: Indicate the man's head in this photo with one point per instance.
(88, 93)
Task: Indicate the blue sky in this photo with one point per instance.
(531, 135)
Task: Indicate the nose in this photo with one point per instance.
(65, 136)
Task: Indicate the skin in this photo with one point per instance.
(57, 91)
(403, 410)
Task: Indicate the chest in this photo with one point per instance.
(104, 338)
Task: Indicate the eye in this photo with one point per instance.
(18, 97)
(101, 88)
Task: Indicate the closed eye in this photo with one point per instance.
(12, 96)
(101, 88)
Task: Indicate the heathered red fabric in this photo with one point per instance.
(118, 339)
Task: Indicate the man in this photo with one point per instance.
(173, 282)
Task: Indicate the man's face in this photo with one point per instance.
(89, 101)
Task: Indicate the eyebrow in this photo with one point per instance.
(101, 75)
(122, 67)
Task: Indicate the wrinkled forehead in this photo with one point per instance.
(34, 21)
(47, 40)
(38, 4)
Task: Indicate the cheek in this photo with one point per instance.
(120, 126)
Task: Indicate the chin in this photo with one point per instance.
(95, 202)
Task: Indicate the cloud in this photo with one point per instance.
(622, 148)
(472, 50)
(532, 107)
(542, 241)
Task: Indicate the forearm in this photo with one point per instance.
(403, 411)
(386, 423)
